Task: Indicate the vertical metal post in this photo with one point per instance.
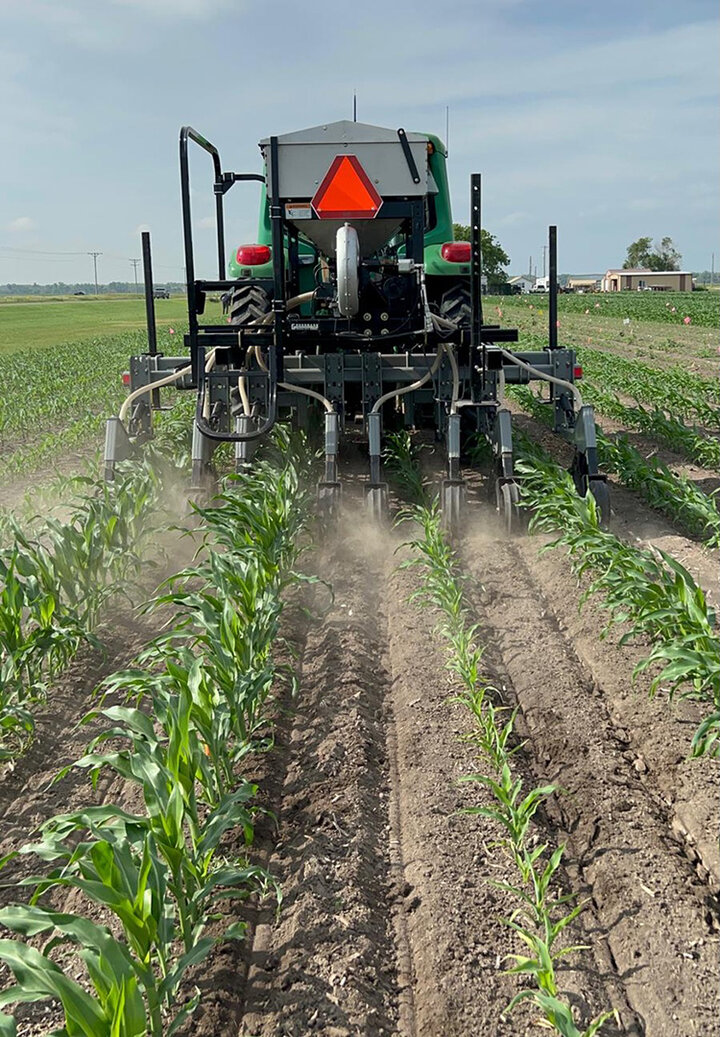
(552, 308)
(417, 231)
(475, 258)
(453, 441)
(332, 437)
(375, 446)
(189, 256)
(150, 309)
(220, 225)
(278, 255)
(476, 276)
(95, 259)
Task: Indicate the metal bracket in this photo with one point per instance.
(334, 388)
(371, 368)
(408, 156)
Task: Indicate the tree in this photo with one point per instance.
(642, 253)
(494, 256)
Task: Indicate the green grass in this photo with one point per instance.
(27, 324)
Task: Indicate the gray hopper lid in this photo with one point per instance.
(344, 132)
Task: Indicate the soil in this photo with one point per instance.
(390, 923)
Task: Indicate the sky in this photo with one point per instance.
(599, 117)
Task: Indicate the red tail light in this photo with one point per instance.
(456, 251)
(577, 371)
(126, 378)
(253, 255)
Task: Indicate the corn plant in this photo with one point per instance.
(674, 390)
(204, 683)
(115, 1008)
(542, 915)
(647, 589)
(55, 581)
(665, 427)
(674, 495)
(402, 458)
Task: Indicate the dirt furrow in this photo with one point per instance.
(650, 905)
(390, 921)
(329, 964)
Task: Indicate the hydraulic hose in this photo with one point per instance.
(137, 393)
(409, 388)
(546, 377)
(290, 387)
(443, 322)
(167, 380)
(297, 300)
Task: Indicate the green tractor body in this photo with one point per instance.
(438, 234)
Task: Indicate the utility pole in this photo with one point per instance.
(135, 266)
(544, 248)
(95, 259)
(712, 275)
(354, 105)
(530, 267)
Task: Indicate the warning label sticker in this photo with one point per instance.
(298, 211)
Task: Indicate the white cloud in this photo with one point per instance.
(205, 223)
(21, 225)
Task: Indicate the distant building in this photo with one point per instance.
(584, 284)
(647, 280)
(525, 282)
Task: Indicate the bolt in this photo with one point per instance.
(367, 316)
(383, 316)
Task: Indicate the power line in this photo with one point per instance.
(38, 252)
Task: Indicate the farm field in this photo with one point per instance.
(650, 327)
(382, 770)
(52, 321)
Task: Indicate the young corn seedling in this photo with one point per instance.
(542, 915)
(402, 458)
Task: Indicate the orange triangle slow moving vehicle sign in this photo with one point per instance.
(346, 192)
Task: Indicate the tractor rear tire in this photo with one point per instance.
(456, 305)
(247, 304)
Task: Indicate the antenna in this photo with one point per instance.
(447, 129)
(354, 105)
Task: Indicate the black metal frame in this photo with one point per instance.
(481, 360)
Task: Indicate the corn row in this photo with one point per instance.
(672, 431)
(674, 390)
(53, 584)
(194, 707)
(646, 589)
(543, 913)
(674, 495)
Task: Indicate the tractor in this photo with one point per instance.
(355, 311)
